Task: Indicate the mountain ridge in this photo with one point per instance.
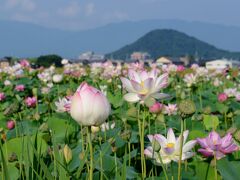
(168, 42)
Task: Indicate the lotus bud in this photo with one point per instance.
(222, 97)
(156, 108)
(67, 153)
(10, 124)
(89, 106)
(57, 78)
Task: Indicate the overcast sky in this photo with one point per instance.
(85, 14)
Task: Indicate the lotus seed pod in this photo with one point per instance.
(187, 107)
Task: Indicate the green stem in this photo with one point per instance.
(200, 96)
(225, 120)
(163, 167)
(129, 154)
(116, 165)
(180, 156)
(172, 171)
(141, 142)
(142, 146)
(101, 161)
(215, 167)
(91, 153)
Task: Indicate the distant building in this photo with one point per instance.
(221, 64)
(91, 56)
(4, 63)
(170, 60)
(140, 56)
(163, 60)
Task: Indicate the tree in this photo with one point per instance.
(48, 60)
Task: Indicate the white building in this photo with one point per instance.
(221, 64)
(91, 56)
(140, 56)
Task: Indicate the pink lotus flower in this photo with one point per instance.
(89, 106)
(2, 96)
(64, 104)
(24, 63)
(222, 97)
(214, 144)
(180, 68)
(31, 101)
(143, 86)
(20, 88)
(190, 79)
(156, 108)
(237, 96)
(231, 92)
(10, 124)
(170, 109)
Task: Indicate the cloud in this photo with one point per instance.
(120, 15)
(89, 9)
(24, 5)
(70, 10)
(21, 17)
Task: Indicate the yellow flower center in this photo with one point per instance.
(214, 142)
(170, 145)
(143, 89)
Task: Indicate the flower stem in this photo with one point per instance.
(200, 96)
(141, 137)
(225, 121)
(215, 166)
(91, 153)
(164, 169)
(181, 146)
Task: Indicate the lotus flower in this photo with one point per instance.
(170, 109)
(180, 68)
(20, 87)
(156, 108)
(63, 105)
(24, 63)
(142, 86)
(190, 79)
(7, 83)
(31, 101)
(10, 124)
(89, 106)
(222, 97)
(170, 147)
(214, 144)
(231, 92)
(64, 61)
(2, 96)
(57, 78)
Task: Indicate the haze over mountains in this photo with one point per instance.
(28, 40)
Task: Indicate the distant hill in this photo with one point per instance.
(172, 43)
(29, 40)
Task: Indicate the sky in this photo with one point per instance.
(87, 14)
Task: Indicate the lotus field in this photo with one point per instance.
(119, 121)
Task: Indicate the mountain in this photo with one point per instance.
(173, 43)
(28, 40)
